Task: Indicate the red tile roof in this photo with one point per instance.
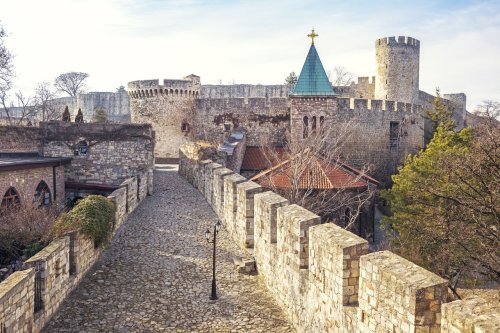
(257, 159)
(318, 174)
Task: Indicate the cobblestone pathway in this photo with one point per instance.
(156, 275)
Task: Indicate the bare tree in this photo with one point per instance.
(6, 71)
(340, 76)
(298, 167)
(17, 115)
(6, 65)
(44, 109)
(71, 83)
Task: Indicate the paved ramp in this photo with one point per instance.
(156, 275)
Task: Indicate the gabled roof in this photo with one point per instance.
(313, 80)
(255, 159)
(319, 174)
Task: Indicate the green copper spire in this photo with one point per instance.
(313, 80)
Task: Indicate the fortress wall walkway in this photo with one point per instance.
(156, 275)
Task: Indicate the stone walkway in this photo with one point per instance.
(156, 275)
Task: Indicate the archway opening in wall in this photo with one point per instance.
(10, 198)
(176, 92)
(313, 125)
(171, 91)
(321, 121)
(305, 127)
(42, 195)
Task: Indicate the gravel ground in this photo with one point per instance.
(156, 275)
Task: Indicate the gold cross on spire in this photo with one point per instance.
(312, 35)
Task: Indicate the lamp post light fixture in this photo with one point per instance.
(217, 227)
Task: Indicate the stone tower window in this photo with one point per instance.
(185, 127)
(10, 198)
(394, 136)
(305, 129)
(321, 121)
(42, 194)
(313, 125)
(227, 127)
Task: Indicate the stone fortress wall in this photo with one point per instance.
(168, 107)
(116, 105)
(397, 69)
(56, 270)
(322, 275)
(211, 112)
(367, 141)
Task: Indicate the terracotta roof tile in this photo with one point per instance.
(255, 158)
(319, 174)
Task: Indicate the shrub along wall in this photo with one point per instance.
(30, 297)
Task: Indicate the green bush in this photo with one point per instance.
(94, 216)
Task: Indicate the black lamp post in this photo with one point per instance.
(217, 227)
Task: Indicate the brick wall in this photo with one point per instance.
(26, 181)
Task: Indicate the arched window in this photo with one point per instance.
(313, 124)
(185, 127)
(305, 127)
(10, 198)
(321, 121)
(156, 92)
(42, 194)
(171, 91)
(176, 92)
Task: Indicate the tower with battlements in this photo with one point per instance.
(397, 69)
(169, 107)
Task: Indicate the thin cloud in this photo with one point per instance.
(249, 41)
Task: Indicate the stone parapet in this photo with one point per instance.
(244, 222)
(392, 285)
(57, 269)
(218, 189)
(474, 315)
(323, 277)
(231, 201)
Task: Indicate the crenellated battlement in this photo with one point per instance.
(400, 41)
(322, 275)
(187, 87)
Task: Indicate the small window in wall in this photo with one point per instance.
(42, 194)
(227, 127)
(82, 149)
(185, 127)
(394, 135)
(10, 198)
(321, 121)
(313, 124)
(305, 127)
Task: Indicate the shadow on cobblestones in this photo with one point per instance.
(156, 275)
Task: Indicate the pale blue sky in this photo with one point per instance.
(249, 41)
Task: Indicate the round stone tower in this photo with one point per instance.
(397, 69)
(168, 107)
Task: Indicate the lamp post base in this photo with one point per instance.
(213, 296)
